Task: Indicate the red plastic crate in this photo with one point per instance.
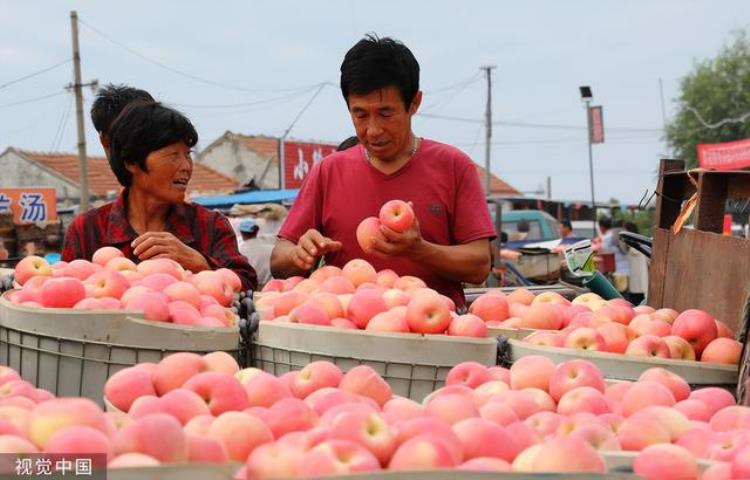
(605, 262)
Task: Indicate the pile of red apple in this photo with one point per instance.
(160, 288)
(592, 324)
(358, 297)
(319, 421)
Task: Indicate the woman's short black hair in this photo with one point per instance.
(144, 127)
(110, 101)
(375, 63)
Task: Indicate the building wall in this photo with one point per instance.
(233, 159)
(17, 172)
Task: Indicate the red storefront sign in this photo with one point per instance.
(299, 158)
(724, 156)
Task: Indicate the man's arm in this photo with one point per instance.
(288, 259)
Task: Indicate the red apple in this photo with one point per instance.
(62, 292)
(491, 306)
(427, 314)
(722, 350)
(397, 215)
(697, 327)
(31, 266)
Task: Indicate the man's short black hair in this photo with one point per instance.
(348, 143)
(605, 222)
(567, 224)
(110, 101)
(375, 63)
(142, 128)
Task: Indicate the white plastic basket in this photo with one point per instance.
(463, 475)
(73, 352)
(414, 365)
(622, 367)
(192, 471)
(623, 461)
(516, 333)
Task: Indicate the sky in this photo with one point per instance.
(251, 67)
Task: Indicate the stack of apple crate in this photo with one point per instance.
(699, 267)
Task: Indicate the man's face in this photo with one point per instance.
(168, 172)
(382, 123)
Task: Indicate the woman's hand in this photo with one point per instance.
(165, 245)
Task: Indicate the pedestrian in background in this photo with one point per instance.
(257, 252)
(638, 265)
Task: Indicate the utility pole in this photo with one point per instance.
(488, 127)
(591, 161)
(549, 188)
(77, 87)
(586, 97)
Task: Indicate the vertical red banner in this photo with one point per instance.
(299, 158)
(597, 124)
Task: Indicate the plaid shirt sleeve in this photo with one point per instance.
(225, 253)
(72, 247)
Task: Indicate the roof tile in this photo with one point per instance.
(103, 182)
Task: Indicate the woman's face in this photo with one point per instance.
(168, 171)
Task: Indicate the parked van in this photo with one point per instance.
(529, 226)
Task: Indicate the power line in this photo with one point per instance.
(547, 126)
(309, 102)
(279, 98)
(196, 78)
(558, 141)
(462, 83)
(60, 133)
(31, 75)
(30, 100)
(458, 89)
(446, 117)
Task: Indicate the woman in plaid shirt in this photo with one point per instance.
(150, 154)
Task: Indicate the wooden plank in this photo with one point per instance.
(739, 185)
(669, 192)
(712, 199)
(657, 270)
(707, 271)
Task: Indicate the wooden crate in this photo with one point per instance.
(699, 267)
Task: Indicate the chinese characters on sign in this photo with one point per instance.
(299, 158)
(33, 207)
(29, 204)
(724, 156)
(5, 202)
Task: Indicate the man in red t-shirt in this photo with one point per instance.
(449, 242)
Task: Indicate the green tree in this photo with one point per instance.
(714, 101)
